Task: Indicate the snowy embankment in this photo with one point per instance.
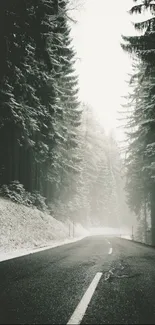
(126, 237)
(25, 230)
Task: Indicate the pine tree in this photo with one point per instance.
(38, 96)
(67, 115)
(21, 84)
(100, 185)
(140, 162)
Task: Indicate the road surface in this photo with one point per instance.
(97, 280)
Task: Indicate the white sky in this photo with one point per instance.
(103, 66)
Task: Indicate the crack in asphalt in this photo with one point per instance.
(120, 272)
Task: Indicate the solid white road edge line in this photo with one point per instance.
(81, 308)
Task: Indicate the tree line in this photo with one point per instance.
(39, 108)
(140, 127)
(52, 149)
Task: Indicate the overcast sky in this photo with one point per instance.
(103, 65)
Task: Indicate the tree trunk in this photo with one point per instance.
(145, 221)
(153, 216)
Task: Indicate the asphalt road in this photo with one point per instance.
(46, 287)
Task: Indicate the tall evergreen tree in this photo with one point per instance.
(140, 163)
(38, 96)
(67, 115)
(100, 185)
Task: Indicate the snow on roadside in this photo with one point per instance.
(126, 237)
(25, 230)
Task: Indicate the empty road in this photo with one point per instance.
(97, 280)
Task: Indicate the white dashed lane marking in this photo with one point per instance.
(81, 308)
(110, 251)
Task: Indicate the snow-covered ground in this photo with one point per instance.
(25, 230)
(126, 237)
